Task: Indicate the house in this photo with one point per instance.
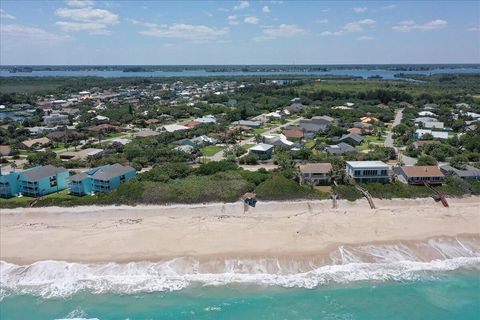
(197, 141)
(368, 171)
(5, 150)
(363, 126)
(81, 154)
(185, 148)
(368, 119)
(315, 125)
(56, 119)
(293, 134)
(469, 173)
(101, 119)
(247, 123)
(102, 179)
(152, 121)
(422, 143)
(296, 107)
(356, 131)
(420, 174)
(174, 127)
(425, 119)
(40, 142)
(315, 173)
(33, 182)
(339, 149)
(146, 133)
(433, 125)
(103, 128)
(427, 114)
(206, 119)
(278, 140)
(263, 150)
(352, 139)
(436, 134)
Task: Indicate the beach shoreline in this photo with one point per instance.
(291, 230)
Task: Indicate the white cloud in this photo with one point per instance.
(5, 15)
(409, 25)
(242, 5)
(365, 38)
(185, 31)
(266, 9)
(232, 20)
(207, 13)
(473, 29)
(80, 3)
(360, 9)
(282, 31)
(15, 34)
(251, 20)
(390, 7)
(93, 20)
(322, 21)
(354, 26)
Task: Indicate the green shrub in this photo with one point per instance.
(212, 167)
(347, 192)
(281, 188)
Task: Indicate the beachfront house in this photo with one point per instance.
(368, 171)
(262, 150)
(102, 179)
(315, 173)
(33, 182)
(468, 173)
(420, 175)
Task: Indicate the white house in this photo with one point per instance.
(436, 134)
(368, 171)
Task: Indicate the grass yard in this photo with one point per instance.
(370, 140)
(259, 130)
(209, 151)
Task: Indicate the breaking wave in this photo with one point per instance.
(390, 262)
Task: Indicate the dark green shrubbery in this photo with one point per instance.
(212, 167)
(281, 188)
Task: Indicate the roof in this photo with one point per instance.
(353, 136)
(174, 127)
(315, 168)
(101, 127)
(367, 164)
(422, 171)
(81, 154)
(355, 130)
(41, 141)
(146, 133)
(261, 147)
(293, 133)
(421, 143)
(342, 147)
(5, 150)
(78, 177)
(468, 172)
(112, 171)
(38, 173)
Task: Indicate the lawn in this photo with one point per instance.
(370, 140)
(25, 201)
(259, 130)
(209, 151)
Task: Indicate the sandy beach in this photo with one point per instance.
(272, 229)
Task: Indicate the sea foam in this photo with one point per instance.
(392, 262)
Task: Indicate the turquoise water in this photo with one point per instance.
(451, 295)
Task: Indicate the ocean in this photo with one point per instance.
(433, 279)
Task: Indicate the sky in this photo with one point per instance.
(238, 32)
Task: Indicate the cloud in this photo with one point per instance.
(473, 29)
(232, 20)
(80, 3)
(390, 7)
(266, 9)
(409, 25)
(360, 9)
(207, 13)
(325, 10)
(185, 31)
(365, 38)
(5, 15)
(354, 26)
(15, 34)
(93, 20)
(322, 21)
(282, 31)
(242, 5)
(251, 20)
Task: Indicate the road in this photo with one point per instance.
(219, 155)
(396, 122)
(406, 160)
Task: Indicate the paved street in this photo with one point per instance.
(396, 122)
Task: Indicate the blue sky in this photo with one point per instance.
(239, 32)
